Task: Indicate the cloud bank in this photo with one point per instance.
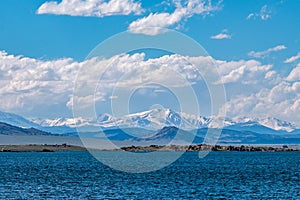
(95, 8)
(253, 89)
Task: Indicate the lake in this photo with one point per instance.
(78, 175)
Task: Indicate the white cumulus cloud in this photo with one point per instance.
(253, 89)
(293, 58)
(96, 8)
(262, 54)
(28, 82)
(156, 23)
(223, 35)
(280, 101)
(294, 75)
(244, 72)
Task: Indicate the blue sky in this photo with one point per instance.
(255, 34)
(56, 36)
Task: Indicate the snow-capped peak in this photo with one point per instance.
(155, 119)
(160, 117)
(69, 122)
(277, 124)
(270, 122)
(105, 117)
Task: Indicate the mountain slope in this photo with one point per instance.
(7, 129)
(17, 120)
(171, 133)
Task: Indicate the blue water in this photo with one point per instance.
(77, 175)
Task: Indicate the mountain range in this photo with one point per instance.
(155, 126)
(157, 118)
(154, 119)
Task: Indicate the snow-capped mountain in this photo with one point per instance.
(277, 124)
(105, 118)
(65, 125)
(69, 122)
(155, 119)
(270, 123)
(159, 118)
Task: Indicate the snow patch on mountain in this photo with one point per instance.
(69, 122)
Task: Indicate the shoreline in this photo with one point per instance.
(40, 148)
(215, 148)
(151, 148)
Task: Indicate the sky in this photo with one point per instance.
(254, 46)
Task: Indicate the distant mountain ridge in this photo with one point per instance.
(7, 129)
(158, 118)
(154, 119)
(135, 128)
(173, 135)
(17, 120)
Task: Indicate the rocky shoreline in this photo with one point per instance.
(40, 148)
(205, 147)
(170, 148)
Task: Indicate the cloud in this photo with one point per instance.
(272, 96)
(84, 101)
(95, 8)
(20, 68)
(256, 90)
(294, 75)
(244, 72)
(293, 58)
(28, 83)
(280, 101)
(253, 89)
(264, 14)
(223, 35)
(113, 97)
(128, 71)
(156, 23)
(262, 54)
